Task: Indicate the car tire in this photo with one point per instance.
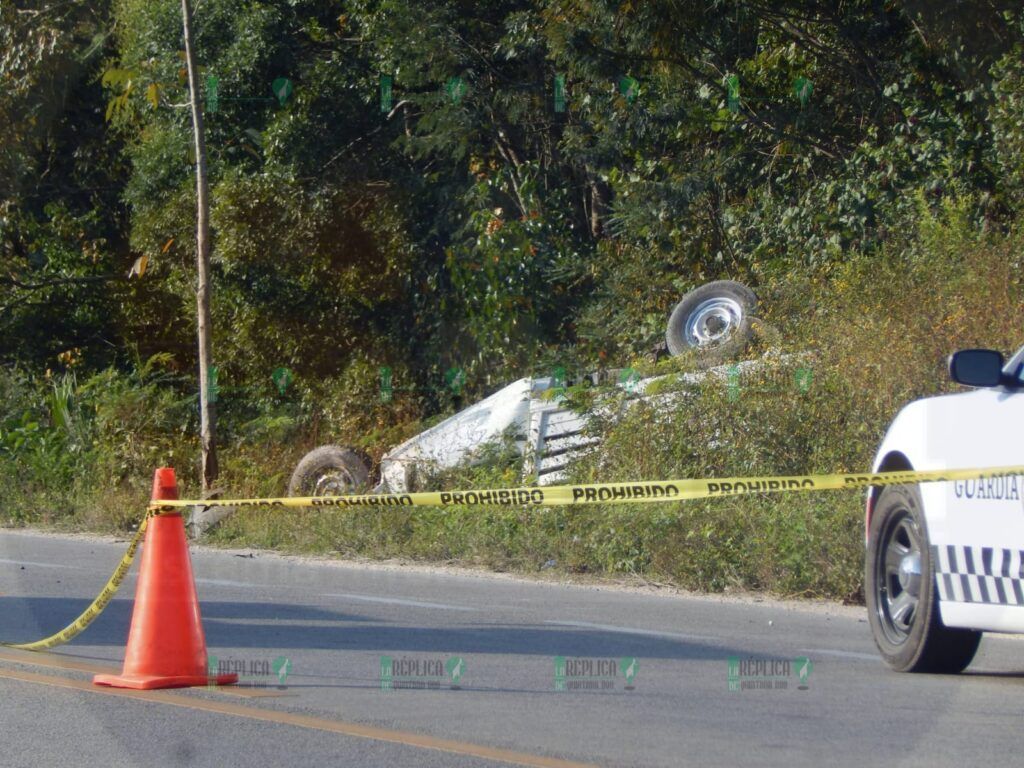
(715, 320)
(330, 470)
(906, 626)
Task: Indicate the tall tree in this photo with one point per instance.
(207, 411)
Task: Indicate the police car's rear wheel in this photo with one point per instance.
(900, 589)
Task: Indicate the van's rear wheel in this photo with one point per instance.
(330, 470)
(899, 583)
(715, 320)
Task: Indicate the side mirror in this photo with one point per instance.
(977, 367)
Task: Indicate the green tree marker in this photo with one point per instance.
(385, 93)
(803, 377)
(385, 384)
(629, 379)
(282, 88)
(629, 88)
(560, 673)
(629, 666)
(456, 89)
(559, 93)
(732, 82)
(733, 382)
(456, 379)
(803, 89)
(387, 677)
(211, 672)
(282, 379)
(803, 668)
(282, 665)
(558, 379)
(214, 392)
(455, 667)
(212, 97)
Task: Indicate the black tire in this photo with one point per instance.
(714, 320)
(330, 470)
(907, 628)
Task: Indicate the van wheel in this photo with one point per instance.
(330, 470)
(900, 588)
(714, 320)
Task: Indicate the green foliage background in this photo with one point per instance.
(479, 228)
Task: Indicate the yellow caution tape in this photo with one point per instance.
(601, 493)
(95, 608)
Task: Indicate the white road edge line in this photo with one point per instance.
(843, 654)
(400, 601)
(631, 630)
(242, 584)
(40, 565)
(341, 595)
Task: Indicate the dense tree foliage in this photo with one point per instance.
(492, 186)
(63, 226)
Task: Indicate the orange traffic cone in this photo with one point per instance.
(166, 645)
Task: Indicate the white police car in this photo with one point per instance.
(945, 560)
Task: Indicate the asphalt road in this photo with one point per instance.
(333, 623)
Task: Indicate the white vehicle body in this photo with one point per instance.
(544, 430)
(975, 529)
(547, 433)
(453, 441)
(715, 321)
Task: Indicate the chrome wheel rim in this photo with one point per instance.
(898, 581)
(334, 483)
(713, 321)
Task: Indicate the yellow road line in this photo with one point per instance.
(404, 738)
(59, 661)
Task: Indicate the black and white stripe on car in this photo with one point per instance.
(979, 574)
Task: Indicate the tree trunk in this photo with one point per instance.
(598, 207)
(207, 411)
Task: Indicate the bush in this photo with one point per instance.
(853, 343)
(878, 330)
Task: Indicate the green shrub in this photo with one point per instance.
(852, 343)
(874, 334)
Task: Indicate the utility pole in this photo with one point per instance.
(207, 411)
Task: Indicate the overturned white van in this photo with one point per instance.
(716, 320)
